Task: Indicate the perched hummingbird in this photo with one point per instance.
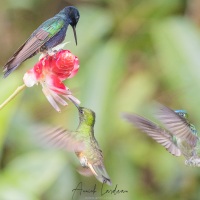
(83, 143)
(179, 136)
(48, 35)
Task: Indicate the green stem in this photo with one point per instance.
(12, 96)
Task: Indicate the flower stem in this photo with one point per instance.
(12, 96)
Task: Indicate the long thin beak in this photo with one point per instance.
(74, 103)
(74, 30)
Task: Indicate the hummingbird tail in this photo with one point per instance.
(7, 71)
(100, 173)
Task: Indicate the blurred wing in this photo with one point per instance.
(61, 138)
(177, 125)
(32, 45)
(156, 132)
(85, 171)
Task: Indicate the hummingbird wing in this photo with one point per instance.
(63, 139)
(156, 132)
(32, 46)
(85, 171)
(176, 124)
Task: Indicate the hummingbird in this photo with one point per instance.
(83, 143)
(48, 35)
(178, 135)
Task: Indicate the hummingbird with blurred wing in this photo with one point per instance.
(178, 136)
(48, 35)
(83, 143)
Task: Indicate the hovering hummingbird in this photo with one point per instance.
(48, 35)
(179, 136)
(83, 143)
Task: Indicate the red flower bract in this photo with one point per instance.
(38, 70)
(64, 64)
(50, 71)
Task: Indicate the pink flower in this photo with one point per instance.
(50, 71)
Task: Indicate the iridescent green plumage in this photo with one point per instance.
(179, 136)
(84, 144)
(53, 26)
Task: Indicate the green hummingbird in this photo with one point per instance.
(178, 135)
(48, 35)
(83, 143)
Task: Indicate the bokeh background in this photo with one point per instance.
(131, 53)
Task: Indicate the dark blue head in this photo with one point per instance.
(72, 16)
(182, 113)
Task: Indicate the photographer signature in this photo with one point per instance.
(80, 189)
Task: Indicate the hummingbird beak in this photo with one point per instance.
(74, 103)
(74, 30)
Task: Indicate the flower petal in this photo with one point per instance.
(42, 55)
(38, 69)
(30, 78)
(51, 100)
(58, 98)
(65, 64)
(55, 84)
(72, 97)
(50, 71)
(73, 73)
(60, 91)
(60, 46)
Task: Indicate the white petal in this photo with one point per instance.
(72, 97)
(42, 56)
(29, 79)
(47, 93)
(63, 91)
(58, 98)
(60, 46)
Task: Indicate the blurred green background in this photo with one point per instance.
(131, 53)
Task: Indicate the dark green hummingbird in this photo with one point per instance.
(178, 135)
(48, 35)
(83, 143)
